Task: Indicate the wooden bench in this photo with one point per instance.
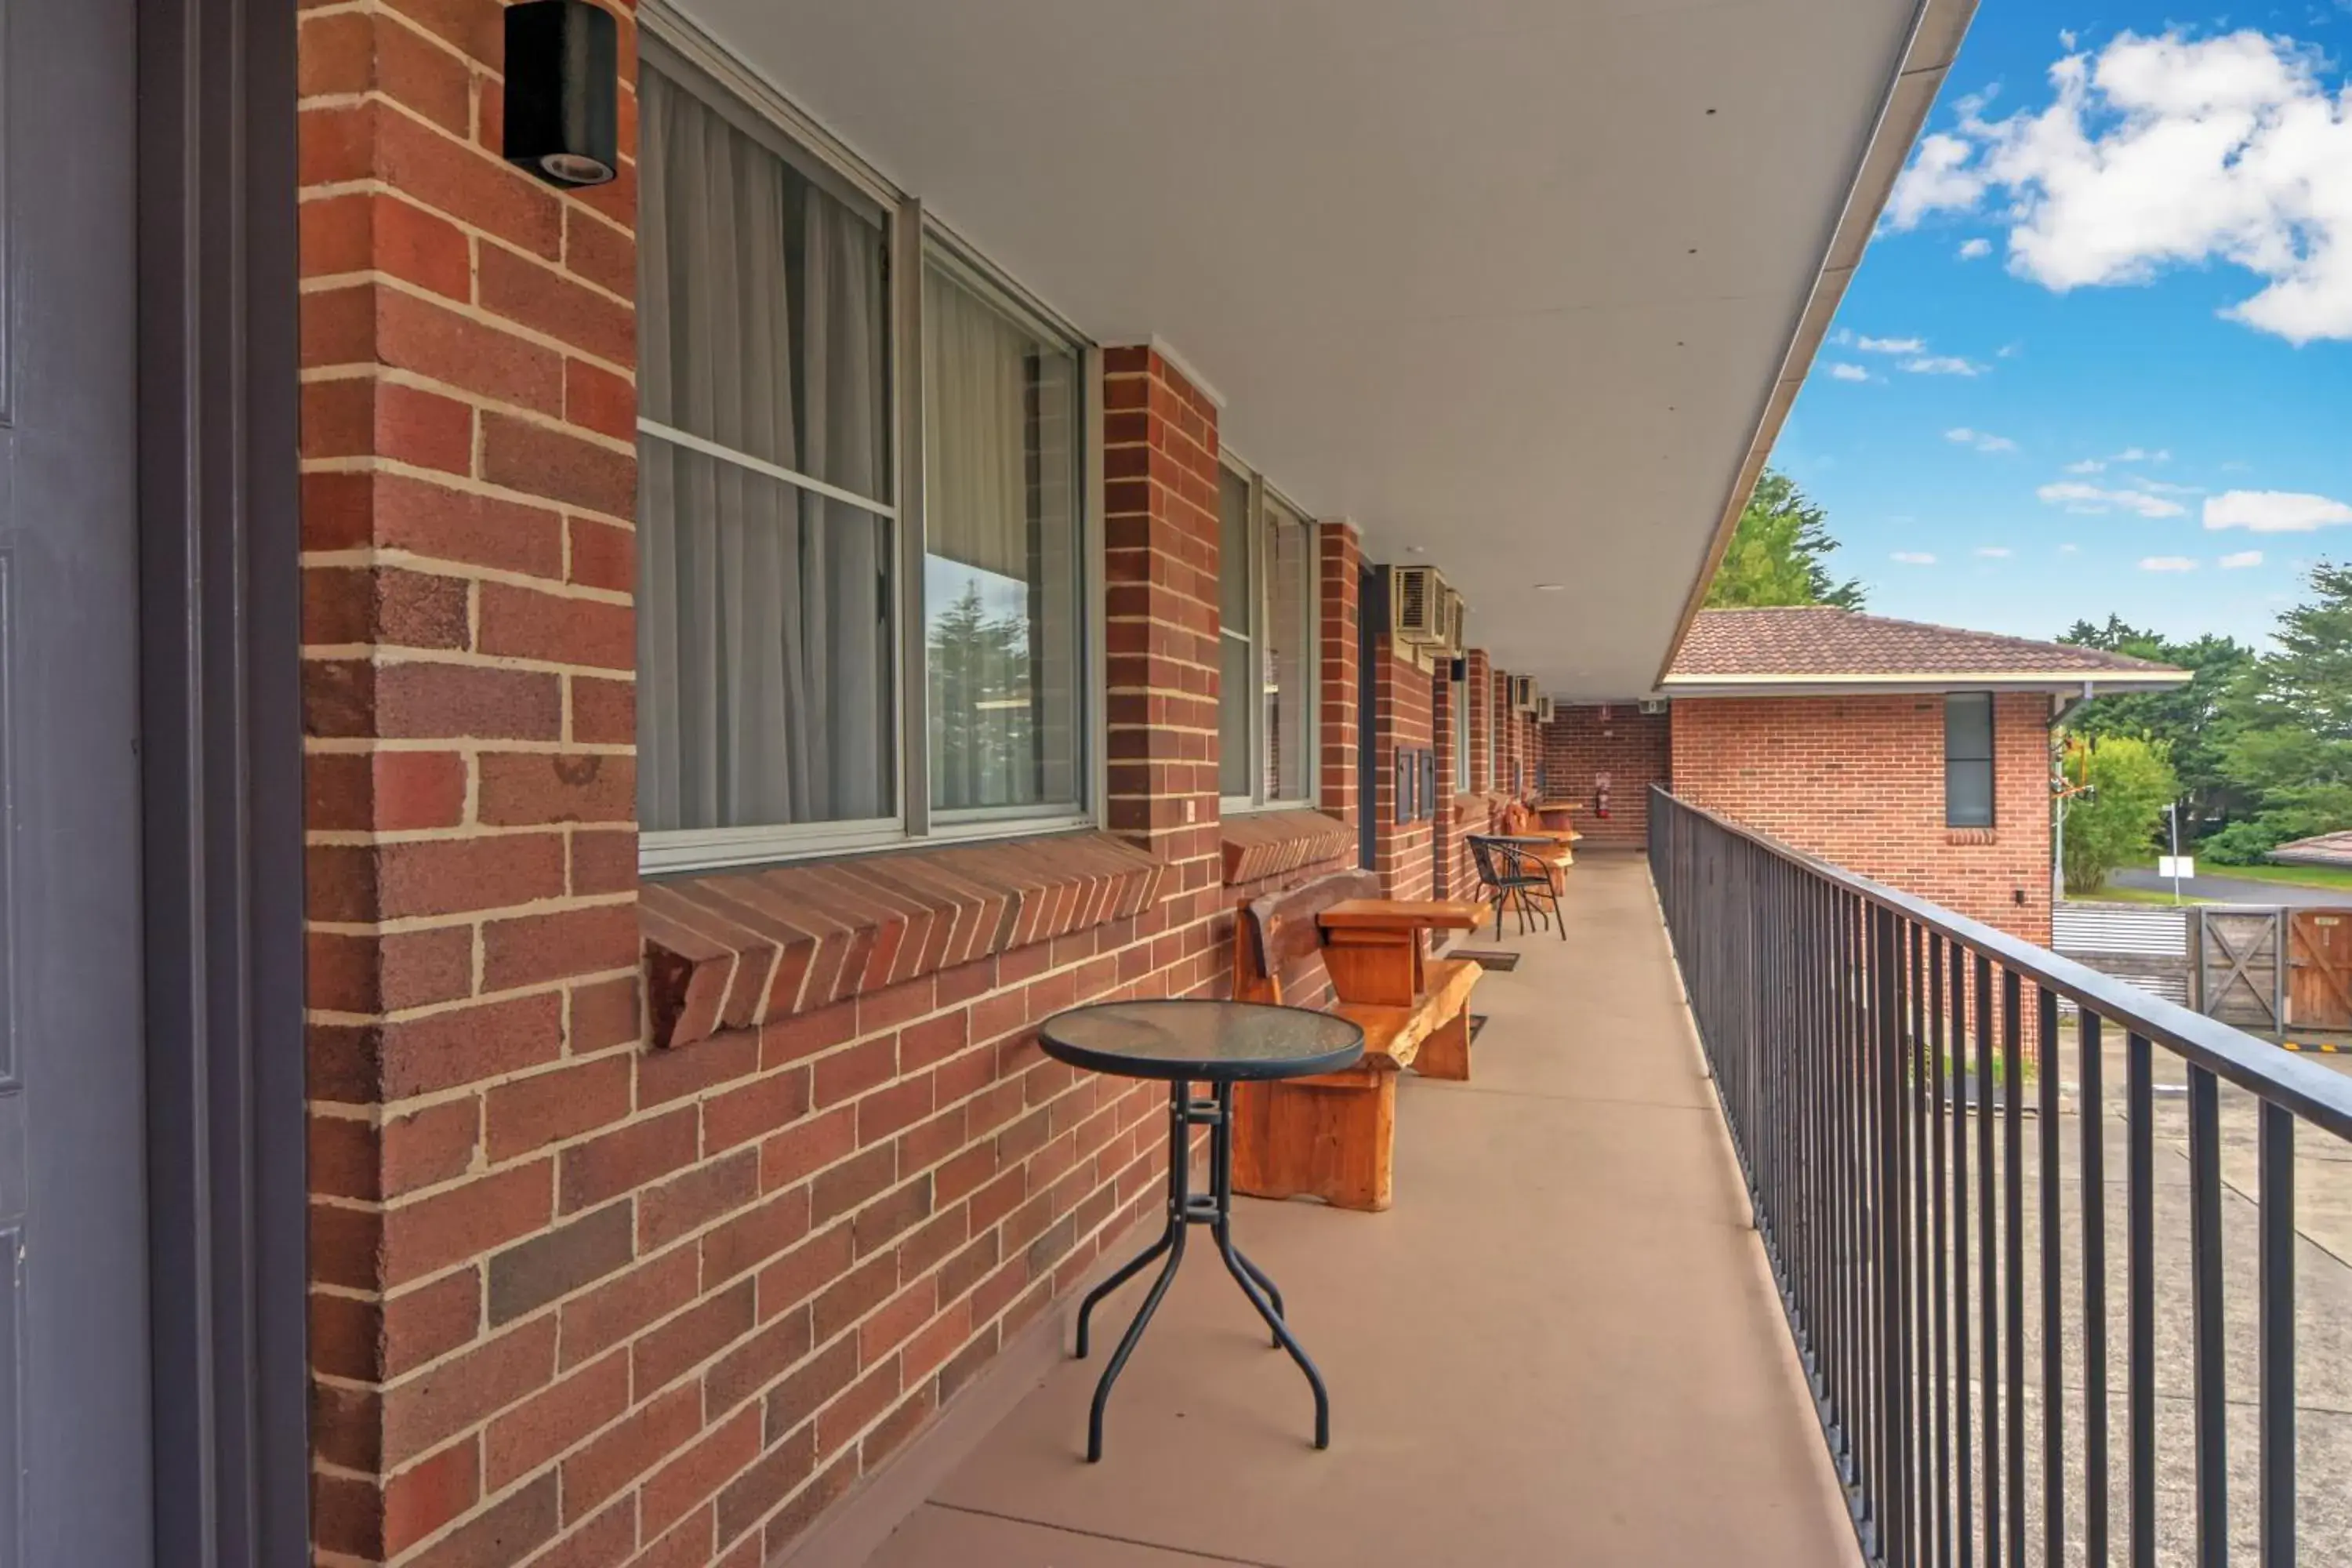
(1333, 1136)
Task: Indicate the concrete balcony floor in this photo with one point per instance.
(1559, 1347)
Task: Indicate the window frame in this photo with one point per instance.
(1989, 762)
(1259, 590)
(912, 240)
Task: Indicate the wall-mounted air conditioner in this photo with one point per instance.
(1523, 693)
(1416, 605)
(1455, 621)
(1654, 706)
(1543, 710)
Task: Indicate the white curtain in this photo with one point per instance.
(763, 615)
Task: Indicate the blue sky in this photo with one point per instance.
(2099, 356)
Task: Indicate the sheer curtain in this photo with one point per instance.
(763, 620)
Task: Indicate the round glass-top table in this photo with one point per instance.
(1218, 1044)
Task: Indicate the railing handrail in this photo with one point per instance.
(2311, 1091)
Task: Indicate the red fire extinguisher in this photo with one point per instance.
(1601, 794)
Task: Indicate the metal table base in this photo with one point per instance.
(1214, 1209)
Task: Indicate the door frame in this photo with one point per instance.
(221, 758)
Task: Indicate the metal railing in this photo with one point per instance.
(1864, 1046)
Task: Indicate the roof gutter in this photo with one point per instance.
(1937, 28)
(2063, 682)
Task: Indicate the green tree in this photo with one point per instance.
(2194, 721)
(2289, 745)
(2113, 822)
(1776, 554)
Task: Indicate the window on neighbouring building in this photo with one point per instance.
(1459, 700)
(1967, 760)
(1265, 714)
(779, 577)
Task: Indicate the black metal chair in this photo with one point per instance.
(1508, 873)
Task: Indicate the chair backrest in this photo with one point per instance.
(1278, 932)
(1482, 854)
(1503, 863)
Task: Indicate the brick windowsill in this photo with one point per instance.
(1971, 836)
(732, 950)
(1274, 843)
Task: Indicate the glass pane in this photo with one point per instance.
(1967, 725)
(1460, 698)
(1236, 700)
(1967, 793)
(1001, 569)
(762, 306)
(764, 650)
(1235, 664)
(1289, 628)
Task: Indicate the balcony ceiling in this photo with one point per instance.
(1525, 284)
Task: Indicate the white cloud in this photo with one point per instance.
(1980, 440)
(2009, 351)
(2166, 564)
(1995, 551)
(2240, 558)
(1913, 558)
(2087, 465)
(1848, 372)
(2275, 511)
(2066, 39)
(2076, 496)
(2070, 549)
(2158, 152)
(2158, 487)
(1891, 345)
(1942, 365)
(2142, 454)
(1976, 249)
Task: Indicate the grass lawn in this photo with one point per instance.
(2294, 876)
(2131, 896)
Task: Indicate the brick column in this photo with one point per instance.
(469, 473)
(1340, 695)
(1160, 552)
(1482, 721)
(1401, 719)
(1445, 878)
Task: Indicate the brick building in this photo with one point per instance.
(604, 670)
(1916, 755)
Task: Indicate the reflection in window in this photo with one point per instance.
(1000, 572)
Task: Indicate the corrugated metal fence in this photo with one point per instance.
(2221, 959)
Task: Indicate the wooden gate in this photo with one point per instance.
(2319, 969)
(2238, 981)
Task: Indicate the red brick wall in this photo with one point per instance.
(1860, 781)
(1401, 714)
(1336, 614)
(1629, 746)
(575, 1298)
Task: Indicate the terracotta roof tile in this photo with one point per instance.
(2320, 849)
(1813, 642)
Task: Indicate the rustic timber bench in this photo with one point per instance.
(1333, 1136)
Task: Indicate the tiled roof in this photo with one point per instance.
(1817, 643)
(2320, 849)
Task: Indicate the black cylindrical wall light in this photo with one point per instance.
(562, 69)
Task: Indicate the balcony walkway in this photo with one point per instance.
(1559, 1347)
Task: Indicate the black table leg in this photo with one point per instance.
(1185, 1211)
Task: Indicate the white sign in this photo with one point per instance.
(2175, 865)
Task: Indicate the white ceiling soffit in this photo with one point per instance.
(1526, 283)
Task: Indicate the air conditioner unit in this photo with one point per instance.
(1457, 623)
(1543, 710)
(1654, 706)
(1523, 693)
(1416, 605)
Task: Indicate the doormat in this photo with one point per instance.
(1477, 1021)
(1486, 959)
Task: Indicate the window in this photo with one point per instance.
(1265, 714)
(1967, 760)
(1459, 699)
(1002, 579)
(778, 577)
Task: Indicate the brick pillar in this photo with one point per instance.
(1445, 878)
(1482, 721)
(1399, 720)
(469, 474)
(1340, 695)
(1159, 549)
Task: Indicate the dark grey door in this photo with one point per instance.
(73, 1449)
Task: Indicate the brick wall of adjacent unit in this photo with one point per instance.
(1482, 721)
(1618, 738)
(1860, 781)
(1402, 718)
(1340, 591)
(576, 1299)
